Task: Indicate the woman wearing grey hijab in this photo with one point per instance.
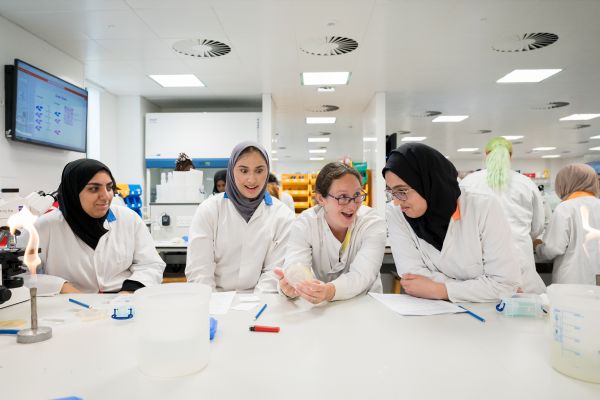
(572, 239)
(238, 237)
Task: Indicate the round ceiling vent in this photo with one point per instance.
(551, 105)
(525, 42)
(323, 108)
(426, 114)
(203, 48)
(329, 46)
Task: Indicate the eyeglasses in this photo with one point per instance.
(345, 200)
(401, 195)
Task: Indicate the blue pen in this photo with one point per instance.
(79, 303)
(9, 331)
(260, 312)
(472, 314)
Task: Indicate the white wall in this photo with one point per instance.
(26, 166)
(374, 126)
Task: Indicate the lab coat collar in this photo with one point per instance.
(268, 199)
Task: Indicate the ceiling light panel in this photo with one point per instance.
(316, 158)
(320, 120)
(543, 148)
(413, 138)
(551, 156)
(325, 78)
(528, 75)
(513, 137)
(467, 149)
(185, 80)
(317, 151)
(595, 148)
(580, 117)
(318, 140)
(450, 118)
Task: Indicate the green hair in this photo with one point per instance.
(498, 151)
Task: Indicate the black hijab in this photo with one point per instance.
(75, 176)
(219, 176)
(429, 173)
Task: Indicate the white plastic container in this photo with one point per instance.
(173, 329)
(575, 339)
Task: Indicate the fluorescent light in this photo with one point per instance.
(528, 75)
(543, 148)
(514, 137)
(320, 120)
(595, 137)
(467, 149)
(413, 138)
(551, 156)
(580, 117)
(450, 118)
(369, 139)
(325, 78)
(274, 159)
(318, 140)
(316, 158)
(595, 148)
(274, 151)
(185, 80)
(317, 151)
(325, 89)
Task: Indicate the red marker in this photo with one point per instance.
(262, 328)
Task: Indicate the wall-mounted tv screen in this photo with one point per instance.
(48, 110)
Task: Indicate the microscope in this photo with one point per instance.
(12, 290)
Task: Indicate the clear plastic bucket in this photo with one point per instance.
(575, 340)
(172, 324)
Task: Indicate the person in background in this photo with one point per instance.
(446, 244)
(342, 240)
(572, 239)
(521, 202)
(92, 245)
(275, 191)
(184, 163)
(219, 181)
(238, 237)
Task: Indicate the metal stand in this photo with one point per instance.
(36, 333)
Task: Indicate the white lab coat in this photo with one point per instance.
(126, 251)
(522, 204)
(228, 253)
(287, 199)
(572, 240)
(477, 262)
(356, 271)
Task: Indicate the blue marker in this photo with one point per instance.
(9, 331)
(260, 311)
(472, 314)
(79, 303)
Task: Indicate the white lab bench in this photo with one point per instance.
(351, 349)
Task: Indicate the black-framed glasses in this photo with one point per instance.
(401, 195)
(345, 200)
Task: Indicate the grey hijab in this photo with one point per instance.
(244, 205)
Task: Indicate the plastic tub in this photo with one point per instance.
(575, 339)
(173, 328)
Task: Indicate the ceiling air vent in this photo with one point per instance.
(484, 131)
(583, 141)
(426, 114)
(581, 126)
(324, 133)
(203, 48)
(402, 132)
(525, 42)
(329, 46)
(551, 105)
(323, 108)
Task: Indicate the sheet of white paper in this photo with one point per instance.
(47, 285)
(245, 306)
(220, 302)
(407, 305)
(248, 298)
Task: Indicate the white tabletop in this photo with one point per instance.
(343, 350)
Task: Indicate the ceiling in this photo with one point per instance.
(425, 54)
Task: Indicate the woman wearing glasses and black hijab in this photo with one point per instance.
(446, 244)
(342, 240)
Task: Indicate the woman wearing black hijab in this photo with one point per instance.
(93, 246)
(446, 244)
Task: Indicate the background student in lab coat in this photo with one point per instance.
(521, 202)
(446, 245)
(237, 238)
(91, 245)
(219, 181)
(275, 190)
(342, 240)
(572, 239)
